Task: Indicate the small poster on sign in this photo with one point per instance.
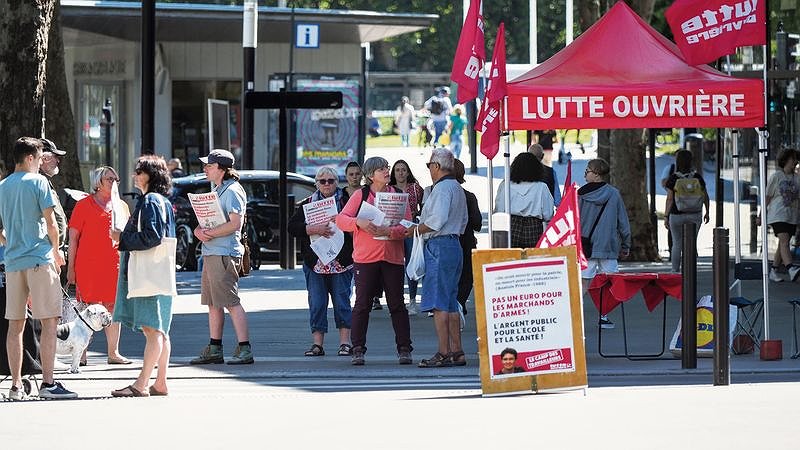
(528, 317)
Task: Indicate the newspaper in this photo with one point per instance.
(318, 213)
(371, 213)
(207, 209)
(393, 206)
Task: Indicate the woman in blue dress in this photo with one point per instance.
(150, 315)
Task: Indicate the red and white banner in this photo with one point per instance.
(488, 122)
(470, 54)
(565, 227)
(704, 30)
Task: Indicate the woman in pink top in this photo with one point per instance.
(378, 256)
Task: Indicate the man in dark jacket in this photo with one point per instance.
(326, 278)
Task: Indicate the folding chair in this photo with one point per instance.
(748, 316)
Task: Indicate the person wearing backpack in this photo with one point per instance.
(439, 107)
(686, 197)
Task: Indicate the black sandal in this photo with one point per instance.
(345, 350)
(437, 360)
(458, 358)
(315, 350)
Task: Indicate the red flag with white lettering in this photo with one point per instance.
(488, 122)
(704, 30)
(470, 54)
(565, 226)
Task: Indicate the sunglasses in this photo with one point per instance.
(428, 164)
(111, 179)
(327, 181)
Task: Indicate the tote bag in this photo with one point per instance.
(152, 271)
(416, 263)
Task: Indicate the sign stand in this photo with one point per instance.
(539, 315)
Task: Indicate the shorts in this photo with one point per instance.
(595, 266)
(219, 282)
(42, 284)
(783, 227)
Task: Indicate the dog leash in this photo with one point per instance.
(84, 320)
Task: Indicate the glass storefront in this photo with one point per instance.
(98, 142)
(190, 119)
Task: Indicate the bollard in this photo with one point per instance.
(722, 366)
(291, 254)
(689, 294)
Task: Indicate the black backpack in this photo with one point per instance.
(437, 105)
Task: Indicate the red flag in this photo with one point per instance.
(565, 226)
(707, 29)
(488, 122)
(568, 180)
(470, 54)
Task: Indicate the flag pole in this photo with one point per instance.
(507, 156)
(489, 173)
(763, 148)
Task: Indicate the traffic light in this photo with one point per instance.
(787, 52)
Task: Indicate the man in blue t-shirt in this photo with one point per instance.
(29, 232)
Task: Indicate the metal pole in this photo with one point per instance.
(720, 187)
(651, 144)
(689, 303)
(507, 171)
(722, 366)
(249, 44)
(762, 190)
(291, 255)
(148, 76)
(283, 212)
(737, 222)
(472, 135)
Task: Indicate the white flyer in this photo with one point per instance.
(371, 213)
(119, 209)
(327, 248)
(321, 212)
(207, 209)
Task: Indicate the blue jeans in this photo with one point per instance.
(455, 144)
(438, 127)
(404, 139)
(338, 286)
(408, 243)
(443, 262)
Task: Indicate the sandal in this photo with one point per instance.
(458, 358)
(315, 350)
(129, 391)
(345, 350)
(437, 360)
(156, 393)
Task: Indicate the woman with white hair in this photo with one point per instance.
(332, 280)
(93, 263)
(378, 255)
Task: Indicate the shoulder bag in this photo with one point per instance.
(586, 242)
(152, 271)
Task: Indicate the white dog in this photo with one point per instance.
(73, 337)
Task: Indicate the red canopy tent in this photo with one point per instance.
(621, 73)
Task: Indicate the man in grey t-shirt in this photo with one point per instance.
(443, 219)
(222, 256)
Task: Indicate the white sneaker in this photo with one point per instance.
(775, 276)
(794, 271)
(56, 391)
(17, 393)
(412, 308)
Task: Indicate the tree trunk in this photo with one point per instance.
(24, 30)
(628, 167)
(59, 121)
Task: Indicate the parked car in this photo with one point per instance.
(261, 187)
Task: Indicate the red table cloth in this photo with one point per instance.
(616, 288)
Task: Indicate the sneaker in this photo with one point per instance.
(412, 308)
(376, 304)
(605, 323)
(794, 271)
(242, 355)
(358, 356)
(212, 354)
(17, 393)
(404, 356)
(56, 391)
(775, 276)
(430, 313)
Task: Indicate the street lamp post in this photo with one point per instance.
(249, 44)
(108, 122)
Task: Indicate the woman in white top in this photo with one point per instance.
(531, 203)
(783, 191)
